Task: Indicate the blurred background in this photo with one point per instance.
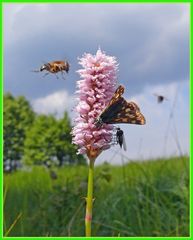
(42, 172)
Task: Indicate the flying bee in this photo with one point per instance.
(160, 98)
(119, 110)
(120, 138)
(55, 67)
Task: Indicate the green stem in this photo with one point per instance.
(89, 199)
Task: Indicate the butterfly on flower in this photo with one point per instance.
(119, 110)
(120, 139)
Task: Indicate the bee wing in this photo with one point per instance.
(124, 143)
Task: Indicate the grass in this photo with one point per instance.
(138, 199)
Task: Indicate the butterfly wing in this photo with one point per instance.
(116, 97)
(118, 93)
(110, 112)
(113, 107)
(124, 112)
(120, 111)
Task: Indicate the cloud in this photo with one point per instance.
(150, 41)
(79, 18)
(55, 103)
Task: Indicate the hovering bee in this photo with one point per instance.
(120, 138)
(160, 98)
(54, 67)
(120, 111)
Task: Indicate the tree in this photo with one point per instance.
(66, 151)
(49, 142)
(18, 117)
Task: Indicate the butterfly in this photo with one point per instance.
(120, 138)
(119, 110)
(160, 98)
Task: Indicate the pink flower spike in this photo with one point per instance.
(95, 89)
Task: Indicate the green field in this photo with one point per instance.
(138, 199)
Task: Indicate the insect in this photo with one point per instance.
(54, 67)
(160, 98)
(120, 138)
(119, 110)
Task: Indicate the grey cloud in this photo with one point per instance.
(151, 43)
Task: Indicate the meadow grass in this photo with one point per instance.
(148, 198)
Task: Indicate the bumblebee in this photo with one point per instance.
(55, 67)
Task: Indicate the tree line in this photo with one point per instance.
(31, 138)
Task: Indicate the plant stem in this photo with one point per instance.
(89, 199)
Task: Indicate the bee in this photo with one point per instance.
(119, 110)
(160, 98)
(120, 138)
(54, 67)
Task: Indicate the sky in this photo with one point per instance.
(150, 43)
